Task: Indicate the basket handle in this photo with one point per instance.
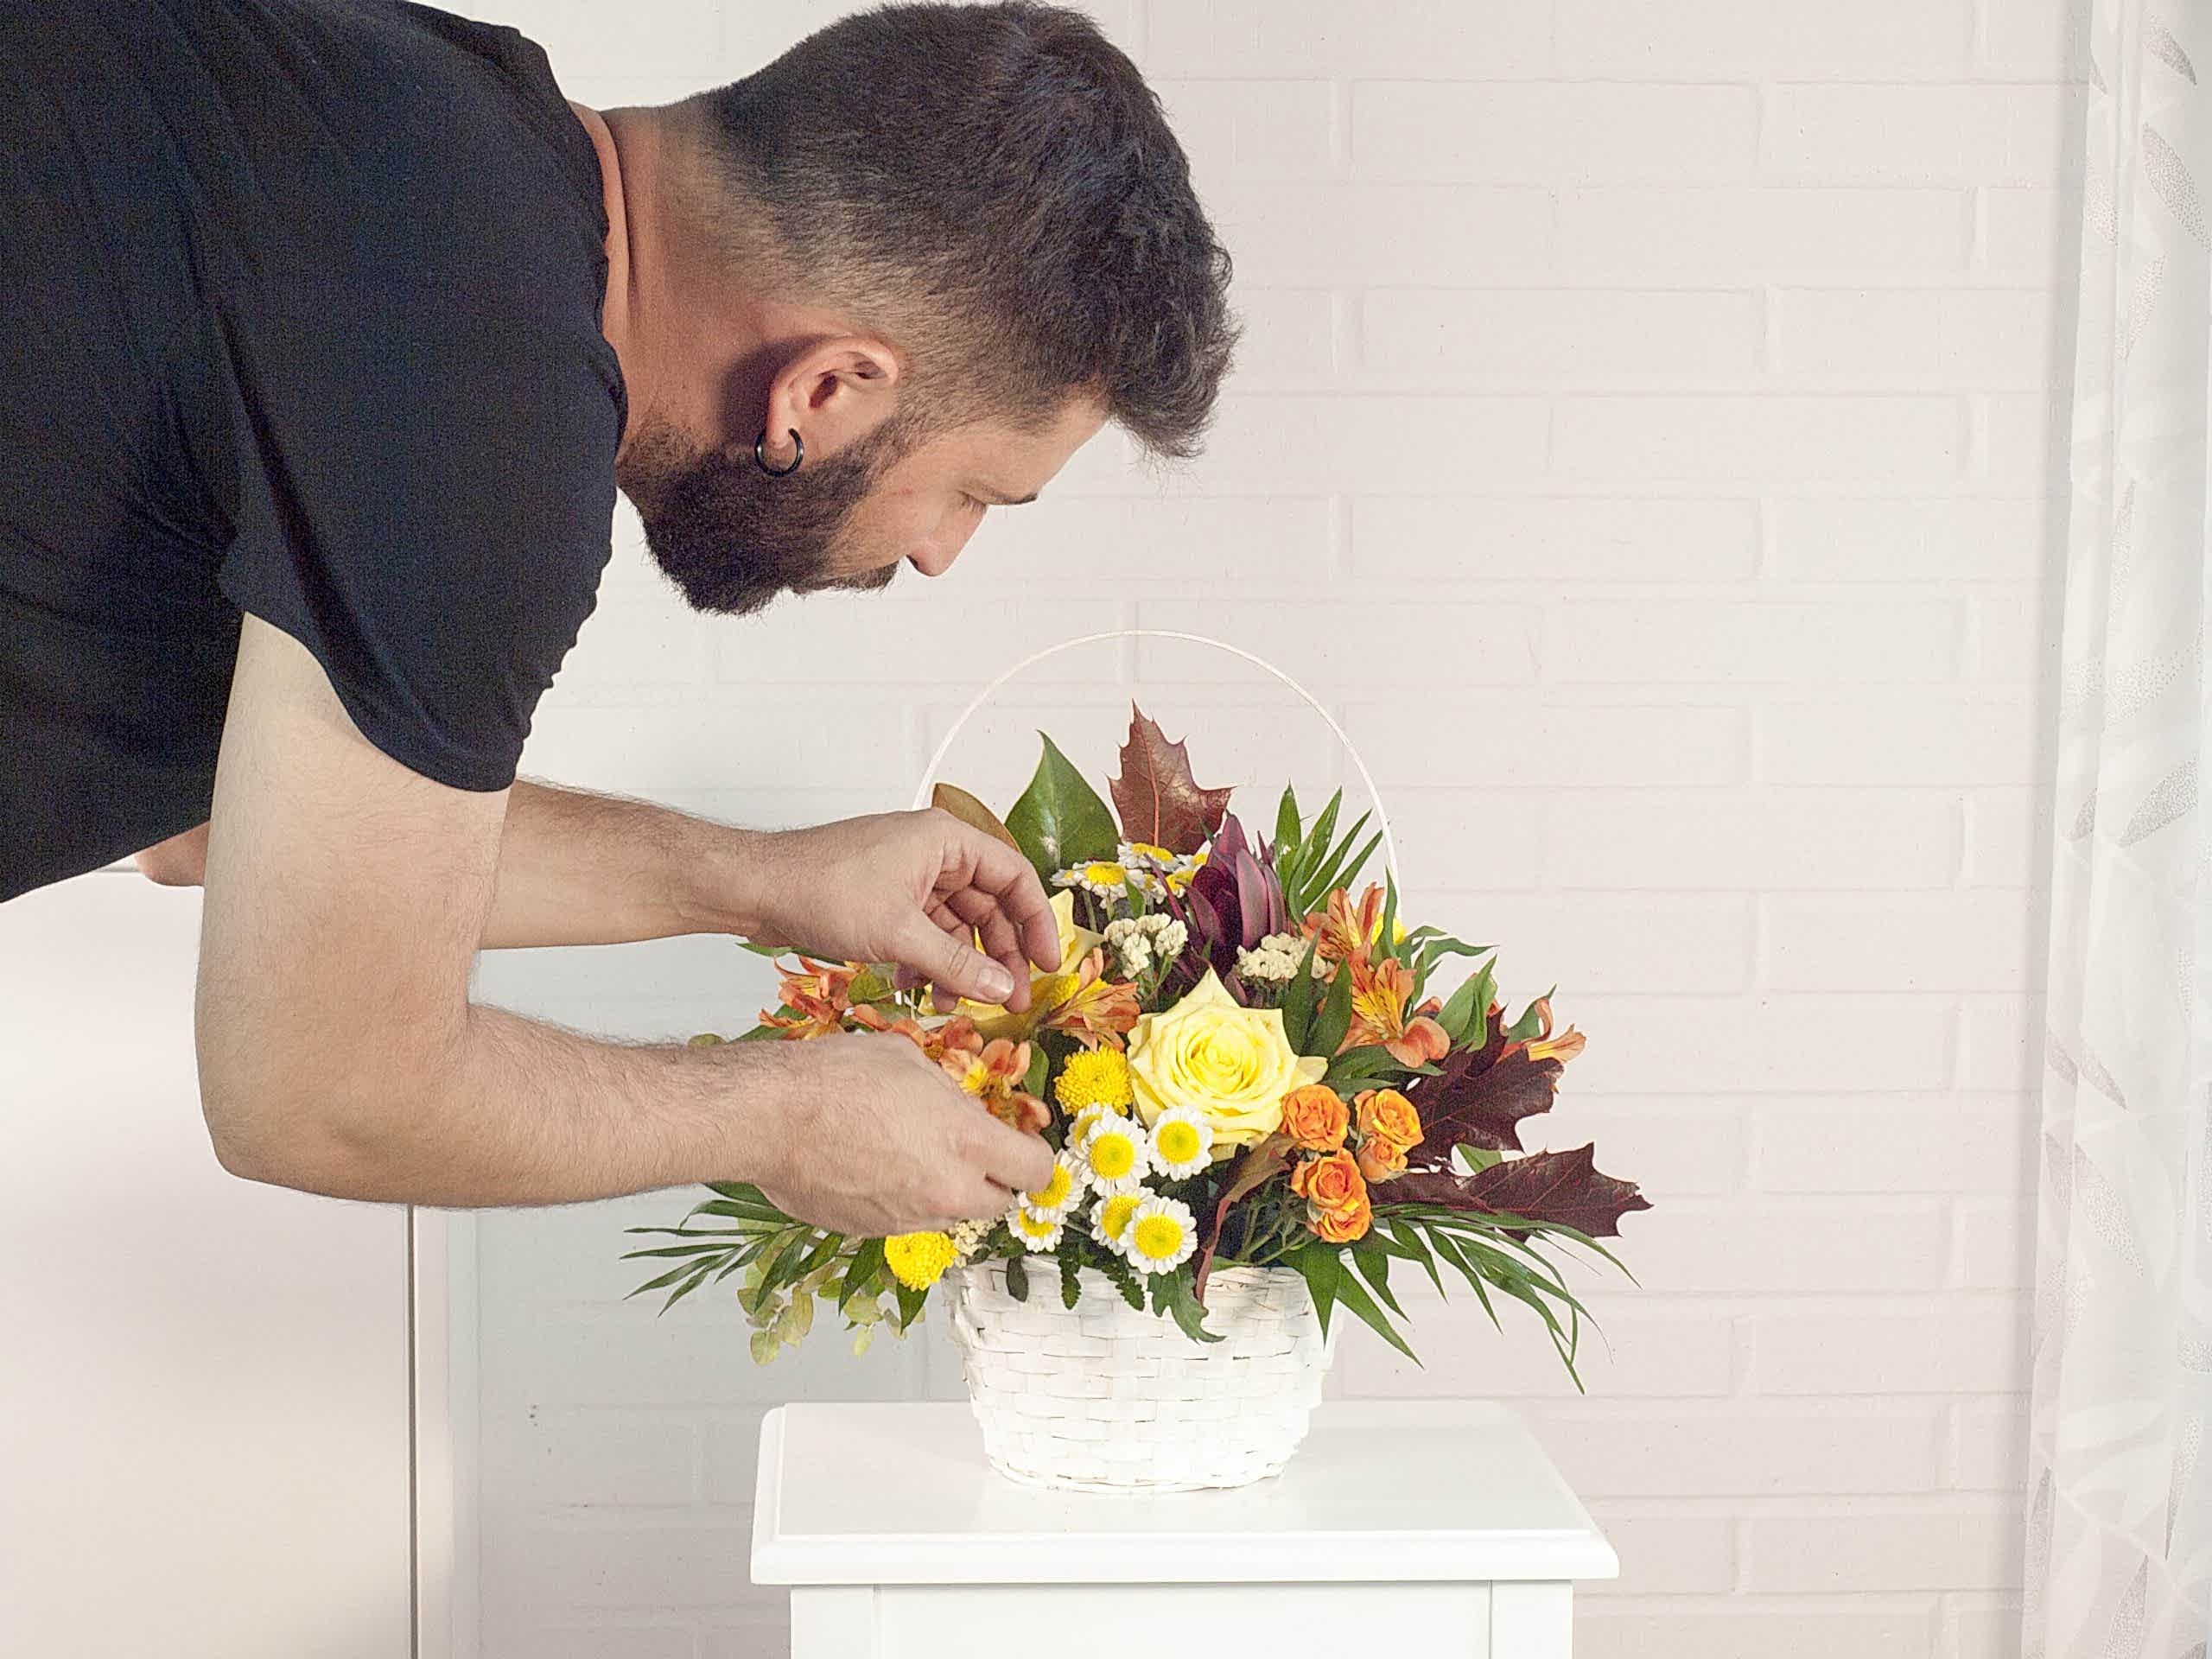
(1382, 818)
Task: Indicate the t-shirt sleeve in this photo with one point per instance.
(425, 485)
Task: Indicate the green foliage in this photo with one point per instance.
(1017, 1278)
(1326, 1034)
(1059, 820)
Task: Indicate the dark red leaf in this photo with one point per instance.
(1260, 1165)
(1479, 1097)
(1556, 1186)
(1158, 798)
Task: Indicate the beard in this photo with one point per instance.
(733, 538)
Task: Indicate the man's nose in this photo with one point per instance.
(936, 558)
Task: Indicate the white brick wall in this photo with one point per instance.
(1644, 440)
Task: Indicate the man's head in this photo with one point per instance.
(937, 246)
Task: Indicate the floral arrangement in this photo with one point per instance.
(1238, 1059)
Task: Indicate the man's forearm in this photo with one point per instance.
(577, 868)
(522, 1113)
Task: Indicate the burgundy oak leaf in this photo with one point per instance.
(1564, 1187)
(1479, 1097)
(1159, 801)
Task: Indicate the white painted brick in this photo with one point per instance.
(1912, 135)
(1768, 838)
(1990, 1441)
(1350, 645)
(1629, 1355)
(1729, 1451)
(1346, 442)
(2002, 1044)
(732, 1455)
(1448, 844)
(766, 1633)
(1558, 337)
(1785, 39)
(1883, 741)
(1289, 339)
(1981, 1632)
(1251, 129)
(1108, 546)
(1997, 1242)
(1788, 1250)
(757, 34)
(2007, 838)
(1549, 132)
(1958, 1144)
(624, 1641)
(1965, 1544)
(1545, 539)
(695, 744)
(1527, 745)
(878, 640)
(1995, 337)
(1667, 1148)
(1800, 1044)
(1400, 233)
(1939, 942)
(1906, 442)
(1682, 1554)
(673, 1561)
(603, 1458)
(1921, 541)
(1443, 40)
(2035, 38)
(684, 35)
(1753, 1630)
(1938, 1347)
(1617, 941)
(2026, 442)
(1728, 237)
(2013, 639)
(1640, 642)
(2032, 233)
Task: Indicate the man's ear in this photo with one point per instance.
(835, 392)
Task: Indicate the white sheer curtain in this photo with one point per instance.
(2118, 1545)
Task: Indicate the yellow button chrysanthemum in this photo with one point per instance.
(918, 1260)
(1093, 1077)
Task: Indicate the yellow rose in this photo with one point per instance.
(1229, 1063)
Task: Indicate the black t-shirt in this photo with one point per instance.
(299, 316)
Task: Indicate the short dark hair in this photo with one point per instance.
(997, 187)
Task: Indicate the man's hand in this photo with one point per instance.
(876, 1139)
(913, 888)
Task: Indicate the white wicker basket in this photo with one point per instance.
(1104, 1398)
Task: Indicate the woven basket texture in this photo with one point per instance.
(1104, 1398)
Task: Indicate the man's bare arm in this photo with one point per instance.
(338, 1051)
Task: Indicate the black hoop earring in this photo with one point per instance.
(760, 454)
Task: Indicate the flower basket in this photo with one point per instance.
(1102, 1397)
(1264, 1090)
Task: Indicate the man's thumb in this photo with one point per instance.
(951, 965)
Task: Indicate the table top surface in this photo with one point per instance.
(1399, 1491)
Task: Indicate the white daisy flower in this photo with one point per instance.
(1037, 1236)
(1052, 1201)
(1088, 1119)
(1182, 1142)
(1143, 855)
(1116, 1155)
(1100, 878)
(1161, 1236)
(1109, 1221)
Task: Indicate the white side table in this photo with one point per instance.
(1436, 1527)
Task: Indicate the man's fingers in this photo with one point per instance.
(980, 915)
(981, 1200)
(951, 966)
(1006, 876)
(1021, 1162)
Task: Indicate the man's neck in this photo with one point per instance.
(624, 144)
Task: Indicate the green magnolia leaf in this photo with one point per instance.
(1059, 821)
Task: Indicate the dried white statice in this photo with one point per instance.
(1273, 961)
(1142, 943)
(968, 1237)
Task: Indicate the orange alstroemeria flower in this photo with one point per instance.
(819, 999)
(1343, 931)
(1563, 1048)
(1086, 1005)
(994, 1072)
(1380, 991)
